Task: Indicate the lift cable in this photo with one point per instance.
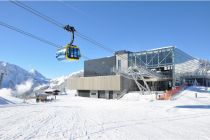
(37, 13)
(29, 34)
(94, 42)
(54, 22)
(33, 36)
(58, 24)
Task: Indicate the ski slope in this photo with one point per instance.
(133, 117)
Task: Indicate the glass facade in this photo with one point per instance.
(184, 64)
(169, 63)
(152, 58)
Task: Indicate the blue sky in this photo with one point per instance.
(133, 26)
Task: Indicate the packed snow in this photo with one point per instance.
(6, 97)
(134, 117)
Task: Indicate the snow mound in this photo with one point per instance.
(194, 94)
(6, 97)
(131, 97)
(135, 96)
(71, 93)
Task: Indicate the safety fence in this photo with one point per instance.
(170, 93)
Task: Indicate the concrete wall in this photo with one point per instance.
(95, 94)
(124, 61)
(112, 83)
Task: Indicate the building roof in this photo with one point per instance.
(121, 52)
(166, 47)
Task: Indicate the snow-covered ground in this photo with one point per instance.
(134, 117)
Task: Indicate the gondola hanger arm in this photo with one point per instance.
(72, 30)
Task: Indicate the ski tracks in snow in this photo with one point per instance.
(102, 119)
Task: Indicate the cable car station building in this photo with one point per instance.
(145, 71)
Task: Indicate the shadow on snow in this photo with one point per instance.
(194, 106)
(5, 101)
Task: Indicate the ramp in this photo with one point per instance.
(139, 73)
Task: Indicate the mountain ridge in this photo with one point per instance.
(14, 75)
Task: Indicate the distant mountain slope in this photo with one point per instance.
(58, 83)
(14, 75)
(60, 80)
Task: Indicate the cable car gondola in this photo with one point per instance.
(70, 52)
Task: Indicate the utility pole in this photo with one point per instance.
(1, 78)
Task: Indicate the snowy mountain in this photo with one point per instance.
(20, 80)
(61, 80)
(58, 83)
(36, 75)
(15, 75)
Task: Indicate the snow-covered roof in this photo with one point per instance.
(42, 94)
